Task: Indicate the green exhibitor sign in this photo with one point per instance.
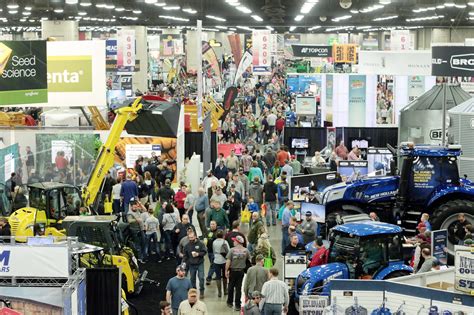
(70, 73)
(23, 72)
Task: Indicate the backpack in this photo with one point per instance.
(224, 249)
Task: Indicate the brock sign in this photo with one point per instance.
(452, 61)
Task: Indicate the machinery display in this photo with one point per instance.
(50, 203)
(429, 182)
(358, 250)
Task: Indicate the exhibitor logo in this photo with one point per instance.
(70, 74)
(5, 261)
(462, 62)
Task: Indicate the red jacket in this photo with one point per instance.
(319, 258)
(179, 198)
(280, 124)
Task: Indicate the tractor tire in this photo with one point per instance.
(445, 215)
(396, 274)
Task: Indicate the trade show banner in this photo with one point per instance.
(15, 261)
(306, 105)
(357, 99)
(453, 61)
(76, 77)
(134, 151)
(236, 47)
(416, 87)
(399, 40)
(111, 48)
(262, 60)
(125, 48)
(464, 264)
(23, 78)
(9, 161)
(312, 51)
(329, 97)
(244, 64)
(313, 304)
(344, 53)
(439, 245)
(395, 62)
(211, 63)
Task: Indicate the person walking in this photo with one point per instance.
(217, 214)
(253, 305)
(285, 224)
(270, 196)
(256, 229)
(193, 256)
(116, 201)
(256, 276)
(201, 204)
(152, 231)
(220, 248)
(256, 191)
(189, 204)
(265, 249)
(233, 233)
(136, 227)
(235, 270)
(210, 237)
(128, 191)
(276, 295)
(177, 288)
(170, 219)
(192, 306)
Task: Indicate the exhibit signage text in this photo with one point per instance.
(312, 51)
(452, 61)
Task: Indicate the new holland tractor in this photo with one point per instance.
(55, 206)
(428, 182)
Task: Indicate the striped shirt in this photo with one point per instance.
(275, 292)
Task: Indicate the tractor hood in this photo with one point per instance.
(313, 278)
(367, 190)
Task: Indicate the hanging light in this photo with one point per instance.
(12, 4)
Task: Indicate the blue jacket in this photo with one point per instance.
(220, 172)
(129, 190)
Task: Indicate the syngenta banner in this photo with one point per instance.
(70, 74)
(76, 73)
(453, 61)
(23, 72)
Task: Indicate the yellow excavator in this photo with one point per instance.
(55, 206)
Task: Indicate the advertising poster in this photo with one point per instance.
(379, 161)
(464, 264)
(331, 137)
(301, 185)
(236, 47)
(313, 304)
(211, 66)
(351, 170)
(62, 147)
(262, 60)
(385, 113)
(125, 48)
(344, 53)
(306, 105)
(9, 165)
(292, 82)
(395, 62)
(329, 97)
(111, 48)
(308, 82)
(134, 151)
(439, 245)
(357, 99)
(416, 87)
(288, 41)
(399, 40)
(23, 68)
(452, 61)
(244, 64)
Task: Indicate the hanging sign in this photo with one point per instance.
(357, 100)
(311, 51)
(261, 52)
(126, 48)
(399, 40)
(439, 244)
(345, 53)
(452, 61)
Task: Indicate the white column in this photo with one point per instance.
(60, 30)
(140, 78)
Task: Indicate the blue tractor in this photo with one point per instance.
(359, 250)
(428, 182)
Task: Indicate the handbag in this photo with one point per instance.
(107, 206)
(268, 261)
(245, 215)
(224, 250)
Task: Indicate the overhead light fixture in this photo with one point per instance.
(119, 8)
(470, 3)
(212, 17)
(461, 6)
(341, 18)
(175, 18)
(160, 4)
(190, 11)
(85, 3)
(151, 1)
(12, 4)
(385, 1)
(26, 13)
(82, 13)
(137, 11)
(221, 27)
(425, 18)
(314, 28)
(171, 8)
(58, 10)
(243, 9)
(12, 12)
(256, 18)
(101, 4)
(354, 11)
(449, 4)
(234, 3)
(72, 1)
(386, 18)
(269, 28)
(292, 28)
(299, 17)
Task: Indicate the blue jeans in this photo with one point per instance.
(285, 239)
(272, 309)
(116, 206)
(271, 212)
(138, 241)
(168, 243)
(211, 266)
(149, 238)
(199, 269)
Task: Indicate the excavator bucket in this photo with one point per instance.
(157, 118)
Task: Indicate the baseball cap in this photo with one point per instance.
(239, 239)
(309, 213)
(181, 267)
(257, 294)
(133, 200)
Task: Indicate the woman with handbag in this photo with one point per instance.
(221, 248)
(265, 249)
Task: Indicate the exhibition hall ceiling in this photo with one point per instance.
(281, 15)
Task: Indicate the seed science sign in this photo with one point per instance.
(23, 72)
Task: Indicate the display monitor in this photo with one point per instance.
(301, 185)
(299, 143)
(379, 160)
(318, 211)
(352, 170)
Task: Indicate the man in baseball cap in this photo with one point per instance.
(252, 307)
(235, 269)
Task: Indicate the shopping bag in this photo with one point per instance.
(245, 216)
(107, 205)
(268, 261)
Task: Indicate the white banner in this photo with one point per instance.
(34, 261)
(306, 105)
(395, 63)
(245, 62)
(261, 46)
(464, 264)
(313, 304)
(133, 151)
(125, 48)
(76, 77)
(399, 40)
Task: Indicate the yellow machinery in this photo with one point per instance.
(12, 119)
(99, 121)
(208, 105)
(50, 203)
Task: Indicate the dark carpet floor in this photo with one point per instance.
(148, 301)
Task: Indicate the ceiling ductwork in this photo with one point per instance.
(275, 11)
